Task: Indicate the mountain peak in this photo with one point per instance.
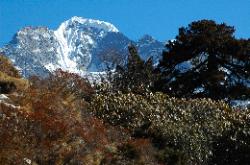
(146, 37)
(77, 45)
(77, 38)
(92, 23)
(76, 19)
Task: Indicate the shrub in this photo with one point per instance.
(49, 123)
(66, 84)
(134, 151)
(184, 130)
(233, 146)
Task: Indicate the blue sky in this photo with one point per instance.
(159, 18)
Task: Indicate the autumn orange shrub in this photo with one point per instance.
(133, 151)
(45, 129)
(50, 123)
(45, 137)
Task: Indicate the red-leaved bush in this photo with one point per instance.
(50, 123)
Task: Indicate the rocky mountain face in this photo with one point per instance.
(149, 47)
(79, 45)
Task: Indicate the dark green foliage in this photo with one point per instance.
(172, 157)
(136, 75)
(133, 152)
(206, 56)
(128, 151)
(233, 147)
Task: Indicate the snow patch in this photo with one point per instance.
(94, 23)
(3, 97)
(242, 104)
(184, 66)
(198, 90)
(36, 50)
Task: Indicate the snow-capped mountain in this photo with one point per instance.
(149, 47)
(77, 46)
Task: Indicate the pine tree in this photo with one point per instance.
(136, 75)
(206, 60)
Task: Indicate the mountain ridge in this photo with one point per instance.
(78, 45)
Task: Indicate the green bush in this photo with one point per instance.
(185, 131)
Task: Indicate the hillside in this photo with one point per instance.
(175, 113)
(61, 119)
